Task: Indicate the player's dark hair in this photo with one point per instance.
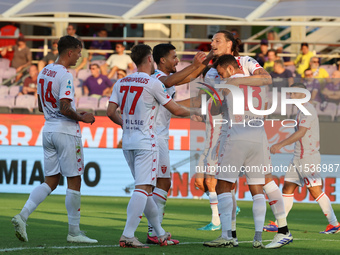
(298, 85)
(161, 50)
(235, 42)
(68, 42)
(226, 60)
(139, 53)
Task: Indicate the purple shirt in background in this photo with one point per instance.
(333, 87)
(97, 85)
(101, 45)
(312, 85)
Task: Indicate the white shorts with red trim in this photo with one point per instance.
(63, 154)
(241, 156)
(143, 165)
(305, 171)
(164, 159)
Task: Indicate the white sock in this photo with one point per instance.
(135, 211)
(233, 214)
(288, 200)
(327, 209)
(259, 211)
(152, 214)
(215, 219)
(225, 207)
(276, 203)
(72, 203)
(159, 196)
(36, 197)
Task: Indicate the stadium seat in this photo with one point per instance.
(329, 68)
(328, 114)
(24, 104)
(9, 73)
(337, 119)
(102, 107)
(14, 90)
(78, 89)
(3, 90)
(4, 63)
(83, 74)
(87, 104)
(6, 103)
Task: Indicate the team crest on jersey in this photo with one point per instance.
(163, 168)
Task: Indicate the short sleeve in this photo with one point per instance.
(66, 89)
(252, 65)
(115, 94)
(160, 93)
(305, 120)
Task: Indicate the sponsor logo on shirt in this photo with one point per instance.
(67, 93)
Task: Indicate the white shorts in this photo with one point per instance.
(143, 165)
(63, 154)
(267, 158)
(241, 156)
(304, 171)
(164, 159)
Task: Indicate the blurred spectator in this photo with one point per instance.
(282, 77)
(302, 60)
(82, 61)
(100, 44)
(318, 72)
(30, 83)
(272, 36)
(97, 85)
(71, 30)
(269, 64)
(279, 49)
(118, 61)
(22, 56)
(313, 85)
(205, 46)
(8, 30)
(51, 56)
(261, 57)
(331, 91)
(121, 74)
(236, 35)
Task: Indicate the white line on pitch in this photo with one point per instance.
(114, 246)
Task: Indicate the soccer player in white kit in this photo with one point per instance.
(63, 151)
(165, 57)
(223, 42)
(139, 97)
(239, 150)
(304, 166)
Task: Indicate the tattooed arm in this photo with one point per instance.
(67, 110)
(259, 78)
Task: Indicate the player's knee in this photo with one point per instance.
(164, 183)
(211, 184)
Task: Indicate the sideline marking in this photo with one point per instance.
(114, 246)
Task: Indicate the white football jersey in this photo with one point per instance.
(247, 64)
(309, 144)
(247, 127)
(212, 129)
(55, 83)
(164, 116)
(139, 95)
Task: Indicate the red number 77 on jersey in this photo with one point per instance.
(132, 89)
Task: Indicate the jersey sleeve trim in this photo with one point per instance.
(167, 102)
(114, 103)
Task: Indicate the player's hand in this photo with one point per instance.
(88, 118)
(275, 148)
(199, 58)
(196, 118)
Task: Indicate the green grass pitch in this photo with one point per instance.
(103, 218)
